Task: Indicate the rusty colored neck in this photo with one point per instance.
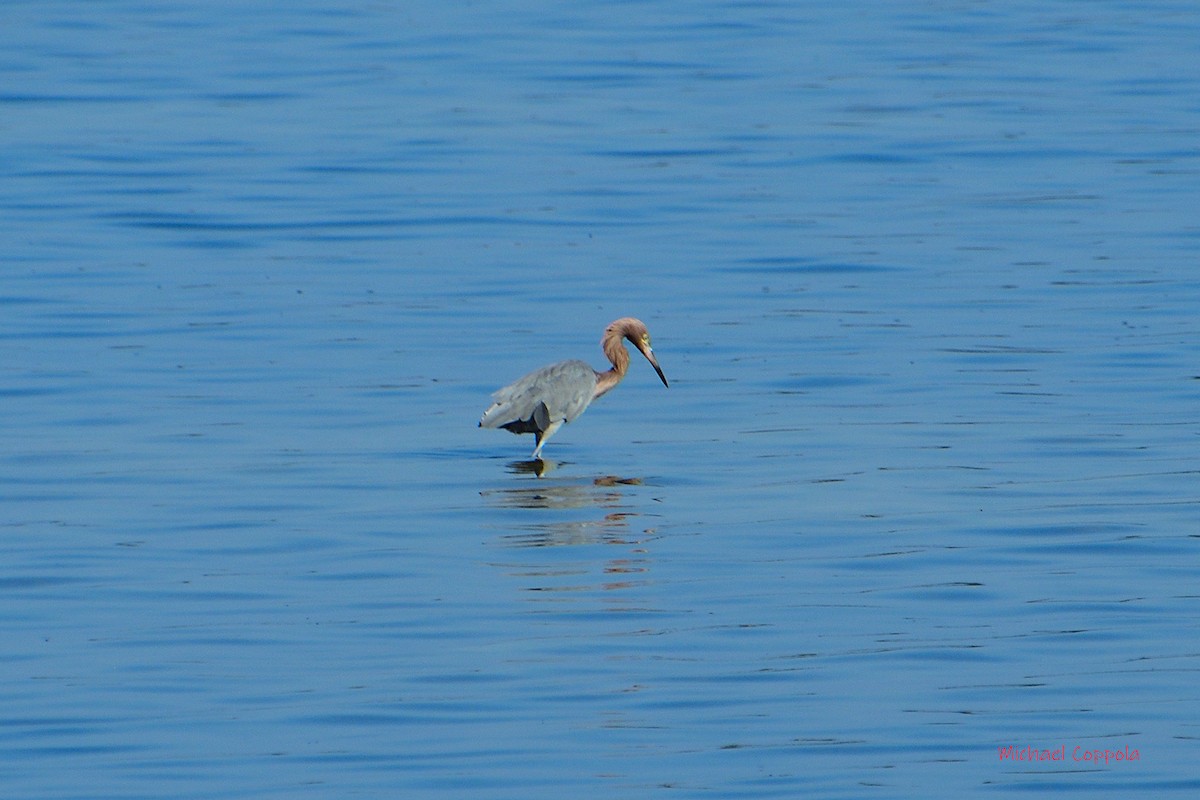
(615, 352)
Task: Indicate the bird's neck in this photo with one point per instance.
(619, 356)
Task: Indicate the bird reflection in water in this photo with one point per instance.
(558, 578)
(538, 467)
(564, 494)
(577, 512)
(603, 493)
(612, 529)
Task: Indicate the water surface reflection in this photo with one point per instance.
(608, 518)
(566, 493)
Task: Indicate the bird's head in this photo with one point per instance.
(635, 331)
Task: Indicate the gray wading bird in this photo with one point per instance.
(544, 399)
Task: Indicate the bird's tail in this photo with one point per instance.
(494, 417)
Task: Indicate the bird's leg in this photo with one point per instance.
(542, 436)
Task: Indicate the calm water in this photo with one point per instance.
(924, 278)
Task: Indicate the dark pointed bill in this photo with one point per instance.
(649, 354)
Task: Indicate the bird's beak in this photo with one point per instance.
(649, 354)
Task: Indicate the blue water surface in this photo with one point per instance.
(924, 486)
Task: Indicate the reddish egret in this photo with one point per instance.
(544, 399)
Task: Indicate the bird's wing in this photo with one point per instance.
(564, 389)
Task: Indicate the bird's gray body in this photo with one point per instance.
(546, 399)
(543, 400)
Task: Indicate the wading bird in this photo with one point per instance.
(544, 399)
